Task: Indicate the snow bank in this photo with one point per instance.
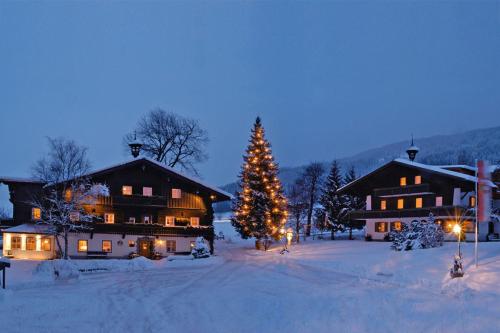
(69, 269)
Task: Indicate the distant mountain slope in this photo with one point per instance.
(462, 148)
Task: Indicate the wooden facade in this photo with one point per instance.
(146, 199)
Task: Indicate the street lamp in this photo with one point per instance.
(457, 229)
(289, 236)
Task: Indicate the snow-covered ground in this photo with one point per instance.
(320, 286)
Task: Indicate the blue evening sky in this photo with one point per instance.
(328, 78)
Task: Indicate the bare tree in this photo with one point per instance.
(171, 139)
(4, 214)
(65, 160)
(297, 205)
(67, 208)
(312, 178)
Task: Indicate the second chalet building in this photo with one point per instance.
(150, 208)
(402, 191)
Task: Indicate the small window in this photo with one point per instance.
(401, 203)
(169, 220)
(109, 218)
(74, 216)
(36, 213)
(402, 181)
(131, 243)
(418, 180)
(127, 190)
(171, 246)
(176, 193)
(439, 201)
(83, 245)
(15, 243)
(472, 201)
(107, 246)
(131, 219)
(380, 226)
(147, 219)
(30, 243)
(418, 203)
(147, 191)
(46, 244)
(68, 195)
(195, 221)
(396, 226)
(383, 205)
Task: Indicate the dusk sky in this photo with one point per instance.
(329, 79)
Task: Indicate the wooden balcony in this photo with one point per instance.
(402, 190)
(412, 212)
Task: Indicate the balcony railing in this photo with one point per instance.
(400, 190)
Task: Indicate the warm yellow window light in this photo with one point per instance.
(82, 245)
(383, 205)
(127, 190)
(402, 181)
(418, 203)
(36, 213)
(401, 203)
(473, 201)
(418, 180)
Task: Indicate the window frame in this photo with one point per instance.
(149, 218)
(196, 218)
(381, 223)
(34, 215)
(150, 189)
(402, 201)
(12, 238)
(418, 180)
(132, 243)
(110, 245)
(403, 181)
(168, 245)
(33, 243)
(131, 219)
(107, 215)
(43, 243)
(79, 245)
(172, 219)
(439, 199)
(176, 193)
(419, 200)
(393, 224)
(472, 201)
(383, 204)
(126, 187)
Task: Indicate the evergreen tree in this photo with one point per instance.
(333, 204)
(352, 203)
(260, 207)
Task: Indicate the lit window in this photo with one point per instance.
(418, 180)
(147, 219)
(147, 191)
(195, 221)
(439, 201)
(15, 243)
(169, 220)
(106, 246)
(74, 216)
(171, 246)
(46, 244)
(396, 226)
(67, 195)
(176, 193)
(127, 190)
(131, 219)
(472, 201)
(109, 218)
(402, 181)
(418, 203)
(83, 245)
(380, 226)
(401, 203)
(36, 213)
(131, 243)
(383, 205)
(30, 243)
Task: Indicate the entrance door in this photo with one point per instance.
(145, 247)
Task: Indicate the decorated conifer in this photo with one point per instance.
(260, 207)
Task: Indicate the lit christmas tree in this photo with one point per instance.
(260, 208)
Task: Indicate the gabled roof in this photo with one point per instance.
(30, 229)
(8, 180)
(431, 168)
(209, 188)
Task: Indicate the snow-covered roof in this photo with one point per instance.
(20, 180)
(491, 168)
(30, 229)
(190, 178)
(431, 168)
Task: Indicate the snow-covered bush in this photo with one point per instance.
(200, 249)
(417, 235)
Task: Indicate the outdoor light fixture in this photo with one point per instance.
(135, 146)
(457, 229)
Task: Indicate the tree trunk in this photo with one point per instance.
(297, 229)
(56, 236)
(350, 233)
(65, 244)
(333, 234)
(309, 215)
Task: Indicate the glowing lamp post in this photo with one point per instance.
(457, 229)
(289, 236)
(135, 146)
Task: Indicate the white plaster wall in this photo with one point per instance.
(25, 254)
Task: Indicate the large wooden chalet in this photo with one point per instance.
(150, 209)
(403, 190)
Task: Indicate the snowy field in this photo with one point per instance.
(320, 286)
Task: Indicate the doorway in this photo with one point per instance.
(145, 247)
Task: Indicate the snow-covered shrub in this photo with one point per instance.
(417, 235)
(56, 270)
(200, 249)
